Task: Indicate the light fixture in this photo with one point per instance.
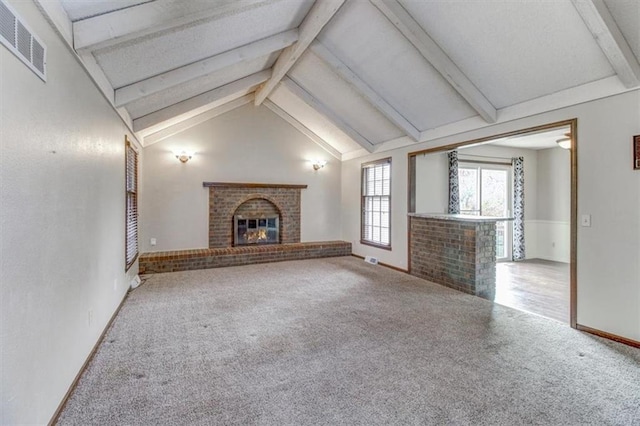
(184, 157)
(318, 164)
(565, 142)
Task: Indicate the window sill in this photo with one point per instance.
(376, 245)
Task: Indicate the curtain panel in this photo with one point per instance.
(454, 191)
(518, 208)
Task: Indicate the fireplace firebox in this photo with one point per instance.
(255, 230)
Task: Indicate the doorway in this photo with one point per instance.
(486, 188)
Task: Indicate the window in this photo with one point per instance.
(376, 203)
(131, 238)
(485, 190)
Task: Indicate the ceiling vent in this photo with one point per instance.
(20, 40)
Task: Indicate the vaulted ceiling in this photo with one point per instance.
(357, 76)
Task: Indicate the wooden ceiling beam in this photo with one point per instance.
(174, 129)
(321, 12)
(201, 103)
(598, 19)
(322, 109)
(365, 90)
(166, 80)
(408, 26)
(124, 25)
(302, 128)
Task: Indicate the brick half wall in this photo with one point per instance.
(456, 254)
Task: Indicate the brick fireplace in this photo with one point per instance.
(246, 200)
(254, 200)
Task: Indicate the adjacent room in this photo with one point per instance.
(490, 178)
(319, 212)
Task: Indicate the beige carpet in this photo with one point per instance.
(337, 341)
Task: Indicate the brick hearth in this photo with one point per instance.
(184, 260)
(227, 199)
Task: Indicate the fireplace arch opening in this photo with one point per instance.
(256, 221)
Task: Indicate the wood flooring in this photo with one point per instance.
(537, 286)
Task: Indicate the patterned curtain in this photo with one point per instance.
(454, 192)
(518, 208)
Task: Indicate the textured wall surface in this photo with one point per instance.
(249, 144)
(62, 217)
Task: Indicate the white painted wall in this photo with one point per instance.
(432, 183)
(553, 215)
(62, 216)
(248, 144)
(608, 189)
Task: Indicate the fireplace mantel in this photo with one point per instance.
(251, 185)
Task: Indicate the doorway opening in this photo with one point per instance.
(536, 264)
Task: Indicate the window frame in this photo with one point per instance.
(134, 195)
(363, 198)
(480, 167)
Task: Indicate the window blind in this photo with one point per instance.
(131, 240)
(376, 202)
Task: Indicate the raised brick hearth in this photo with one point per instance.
(251, 200)
(184, 260)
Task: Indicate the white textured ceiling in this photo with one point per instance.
(386, 61)
(514, 51)
(317, 78)
(627, 16)
(313, 120)
(364, 75)
(194, 87)
(152, 55)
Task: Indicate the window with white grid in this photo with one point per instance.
(376, 203)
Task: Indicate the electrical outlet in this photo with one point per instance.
(152, 241)
(586, 220)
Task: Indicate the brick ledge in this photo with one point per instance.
(181, 260)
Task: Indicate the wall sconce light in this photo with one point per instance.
(318, 164)
(184, 157)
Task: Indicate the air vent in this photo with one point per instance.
(372, 260)
(16, 36)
